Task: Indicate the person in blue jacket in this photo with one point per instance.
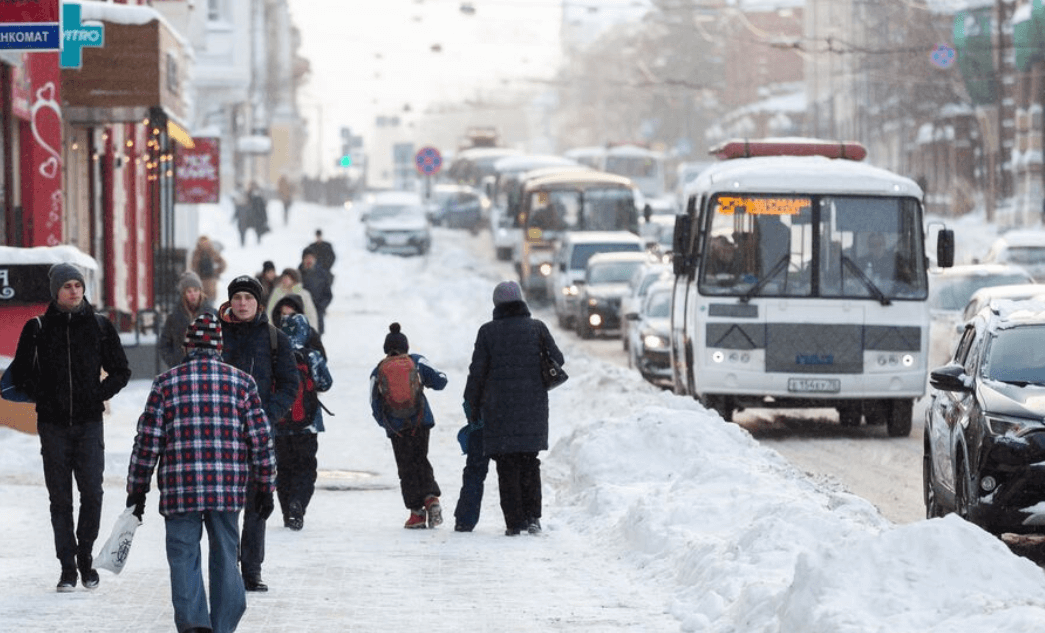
(410, 435)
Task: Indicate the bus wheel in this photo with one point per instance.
(721, 405)
(901, 414)
(849, 415)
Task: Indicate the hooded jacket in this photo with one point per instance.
(71, 350)
(504, 387)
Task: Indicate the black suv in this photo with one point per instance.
(984, 429)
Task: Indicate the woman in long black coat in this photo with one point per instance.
(506, 397)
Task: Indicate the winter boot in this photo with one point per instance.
(416, 520)
(533, 526)
(434, 510)
(67, 581)
(296, 516)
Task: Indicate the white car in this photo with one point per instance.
(395, 222)
(950, 290)
(649, 350)
(638, 287)
(1024, 248)
(571, 261)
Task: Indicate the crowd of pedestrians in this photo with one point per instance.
(245, 378)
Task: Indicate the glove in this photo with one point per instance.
(263, 504)
(137, 499)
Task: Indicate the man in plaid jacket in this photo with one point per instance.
(205, 426)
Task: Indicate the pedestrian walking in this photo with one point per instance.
(208, 263)
(286, 196)
(204, 427)
(192, 303)
(290, 283)
(292, 303)
(255, 346)
(400, 407)
(324, 252)
(268, 279)
(297, 434)
(59, 362)
(504, 394)
(318, 282)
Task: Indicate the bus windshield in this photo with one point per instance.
(593, 209)
(851, 247)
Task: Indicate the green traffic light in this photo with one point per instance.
(346, 161)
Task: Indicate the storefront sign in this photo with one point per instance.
(197, 172)
(30, 25)
(78, 35)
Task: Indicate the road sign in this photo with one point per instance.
(942, 56)
(428, 161)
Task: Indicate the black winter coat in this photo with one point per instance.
(504, 385)
(72, 349)
(248, 347)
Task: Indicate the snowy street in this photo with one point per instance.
(657, 515)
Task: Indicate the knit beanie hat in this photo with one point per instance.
(189, 279)
(60, 274)
(507, 292)
(396, 340)
(267, 266)
(204, 333)
(246, 283)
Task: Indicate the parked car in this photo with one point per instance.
(605, 284)
(395, 222)
(571, 261)
(984, 448)
(950, 290)
(639, 284)
(1014, 292)
(457, 207)
(1024, 248)
(649, 348)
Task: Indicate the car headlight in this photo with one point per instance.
(570, 291)
(654, 341)
(1007, 425)
(546, 269)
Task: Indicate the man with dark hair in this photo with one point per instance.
(253, 345)
(59, 363)
(318, 282)
(324, 251)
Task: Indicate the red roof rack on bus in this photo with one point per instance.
(747, 148)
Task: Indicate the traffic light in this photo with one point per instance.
(346, 160)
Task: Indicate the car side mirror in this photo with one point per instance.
(950, 377)
(632, 316)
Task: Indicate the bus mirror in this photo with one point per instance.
(945, 248)
(678, 244)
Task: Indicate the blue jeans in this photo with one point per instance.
(228, 599)
(74, 451)
(476, 465)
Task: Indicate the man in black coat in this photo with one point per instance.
(319, 283)
(324, 252)
(505, 396)
(248, 339)
(59, 361)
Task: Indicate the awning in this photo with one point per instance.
(179, 134)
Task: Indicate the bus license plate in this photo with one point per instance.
(814, 385)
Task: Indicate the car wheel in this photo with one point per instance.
(721, 405)
(849, 415)
(932, 504)
(901, 414)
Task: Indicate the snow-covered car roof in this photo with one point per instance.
(526, 162)
(802, 175)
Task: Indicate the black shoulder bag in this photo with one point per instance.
(552, 373)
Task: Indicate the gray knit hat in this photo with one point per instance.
(60, 274)
(189, 279)
(507, 292)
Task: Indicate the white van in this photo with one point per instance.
(571, 261)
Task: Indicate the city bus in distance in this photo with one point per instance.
(563, 202)
(800, 281)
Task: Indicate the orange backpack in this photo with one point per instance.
(399, 384)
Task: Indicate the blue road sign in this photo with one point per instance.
(428, 160)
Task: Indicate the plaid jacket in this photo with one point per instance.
(203, 423)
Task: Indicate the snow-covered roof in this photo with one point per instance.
(128, 14)
(47, 255)
(802, 174)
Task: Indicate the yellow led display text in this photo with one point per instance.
(729, 205)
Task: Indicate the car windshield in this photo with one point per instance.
(1028, 255)
(583, 252)
(1016, 355)
(953, 293)
(611, 272)
(386, 211)
(659, 305)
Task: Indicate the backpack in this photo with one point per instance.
(399, 384)
(306, 402)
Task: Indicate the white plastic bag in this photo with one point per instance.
(117, 548)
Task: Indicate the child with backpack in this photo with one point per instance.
(400, 407)
(296, 435)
